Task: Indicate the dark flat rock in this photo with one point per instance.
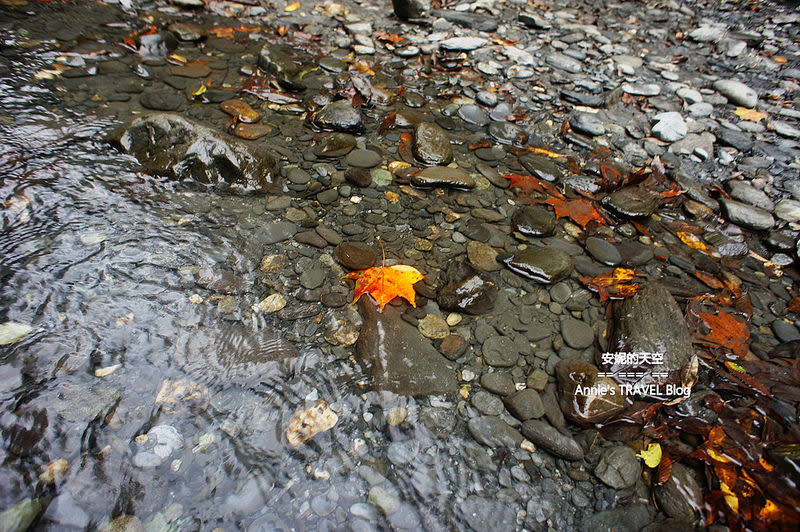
(398, 357)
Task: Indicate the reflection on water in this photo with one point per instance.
(146, 389)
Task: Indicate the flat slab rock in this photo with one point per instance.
(170, 145)
(398, 357)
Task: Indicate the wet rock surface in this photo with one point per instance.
(398, 357)
(171, 145)
(652, 322)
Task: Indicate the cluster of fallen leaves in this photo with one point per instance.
(747, 441)
(750, 446)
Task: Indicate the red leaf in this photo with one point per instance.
(579, 211)
(726, 331)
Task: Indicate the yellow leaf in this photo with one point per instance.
(749, 114)
(294, 6)
(651, 455)
(199, 92)
(730, 498)
(692, 240)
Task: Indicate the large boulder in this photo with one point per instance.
(652, 322)
(170, 145)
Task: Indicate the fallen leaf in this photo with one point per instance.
(726, 331)
(384, 283)
(404, 149)
(709, 280)
(692, 240)
(294, 6)
(580, 211)
(387, 123)
(651, 455)
(392, 38)
(363, 68)
(613, 285)
(307, 423)
(529, 184)
(749, 114)
(546, 152)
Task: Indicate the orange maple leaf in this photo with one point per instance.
(580, 211)
(529, 184)
(384, 283)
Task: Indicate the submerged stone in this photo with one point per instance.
(335, 145)
(398, 357)
(230, 353)
(652, 322)
(443, 176)
(432, 145)
(338, 116)
(545, 265)
(175, 147)
(533, 221)
(465, 291)
(276, 60)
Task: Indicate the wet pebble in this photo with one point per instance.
(432, 144)
(355, 255)
(473, 114)
(681, 496)
(603, 251)
(499, 382)
(669, 126)
(564, 62)
(443, 176)
(550, 439)
(453, 346)
(737, 92)
(499, 351)
(618, 467)
(525, 404)
(363, 158)
(747, 215)
(487, 403)
(545, 265)
(482, 256)
(335, 145)
(587, 123)
(533, 221)
(634, 202)
(339, 116)
(463, 43)
(433, 327)
(493, 432)
(788, 209)
(576, 333)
